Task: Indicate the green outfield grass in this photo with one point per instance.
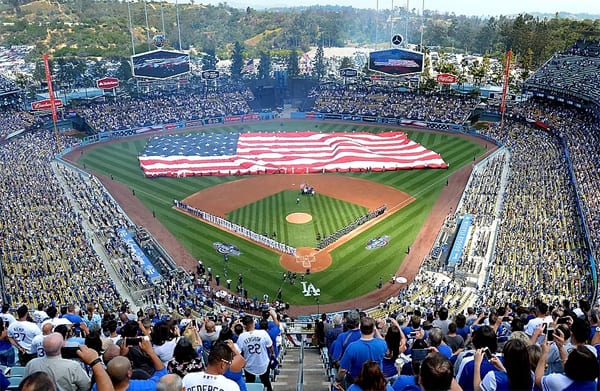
(355, 270)
(268, 215)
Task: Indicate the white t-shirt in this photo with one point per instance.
(56, 322)
(23, 333)
(8, 318)
(39, 317)
(255, 346)
(165, 351)
(197, 381)
(37, 345)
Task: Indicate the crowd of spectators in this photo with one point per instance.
(13, 119)
(60, 241)
(513, 346)
(539, 226)
(581, 135)
(162, 108)
(46, 253)
(385, 102)
(571, 73)
(7, 85)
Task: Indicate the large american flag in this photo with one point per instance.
(289, 153)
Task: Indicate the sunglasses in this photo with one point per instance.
(226, 361)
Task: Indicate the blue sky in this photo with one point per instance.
(467, 7)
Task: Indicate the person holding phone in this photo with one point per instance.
(561, 337)
(121, 372)
(483, 337)
(512, 374)
(143, 368)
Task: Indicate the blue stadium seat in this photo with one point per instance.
(255, 387)
(17, 371)
(14, 382)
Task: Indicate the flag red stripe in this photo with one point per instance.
(302, 152)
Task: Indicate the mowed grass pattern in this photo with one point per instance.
(269, 215)
(355, 271)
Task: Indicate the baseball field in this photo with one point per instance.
(343, 271)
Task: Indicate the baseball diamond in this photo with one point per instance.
(412, 219)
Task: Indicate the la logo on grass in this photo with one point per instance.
(309, 289)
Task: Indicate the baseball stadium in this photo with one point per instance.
(370, 210)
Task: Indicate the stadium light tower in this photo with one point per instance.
(147, 25)
(131, 28)
(392, 23)
(422, 24)
(178, 24)
(406, 23)
(376, 22)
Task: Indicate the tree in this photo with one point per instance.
(124, 71)
(346, 63)
(319, 63)
(366, 70)
(292, 64)
(477, 71)
(237, 60)
(209, 61)
(264, 68)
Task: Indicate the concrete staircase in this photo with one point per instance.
(315, 378)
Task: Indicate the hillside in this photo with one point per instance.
(86, 28)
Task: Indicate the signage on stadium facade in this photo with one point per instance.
(211, 74)
(107, 83)
(348, 72)
(46, 104)
(446, 78)
(160, 64)
(396, 61)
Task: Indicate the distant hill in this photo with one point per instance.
(89, 28)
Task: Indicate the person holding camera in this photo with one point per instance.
(581, 369)
(513, 374)
(483, 337)
(68, 374)
(121, 372)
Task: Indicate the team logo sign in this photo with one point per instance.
(308, 289)
(226, 249)
(159, 41)
(377, 242)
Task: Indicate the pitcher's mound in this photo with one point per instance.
(298, 218)
(306, 259)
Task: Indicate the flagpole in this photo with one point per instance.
(505, 86)
(52, 100)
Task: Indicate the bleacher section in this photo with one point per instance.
(570, 76)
